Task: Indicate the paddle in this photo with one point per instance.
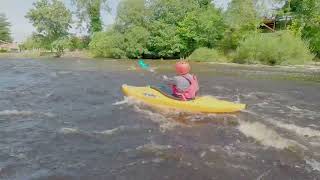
(143, 65)
(147, 67)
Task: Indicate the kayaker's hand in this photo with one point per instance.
(165, 77)
(152, 70)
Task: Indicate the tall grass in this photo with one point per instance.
(206, 54)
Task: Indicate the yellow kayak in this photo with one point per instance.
(206, 104)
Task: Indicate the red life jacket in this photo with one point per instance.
(190, 92)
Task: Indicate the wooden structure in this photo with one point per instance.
(273, 23)
(269, 23)
(10, 47)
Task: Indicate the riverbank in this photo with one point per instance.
(315, 65)
(40, 54)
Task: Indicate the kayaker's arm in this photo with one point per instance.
(170, 81)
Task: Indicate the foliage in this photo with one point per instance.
(52, 21)
(31, 43)
(131, 13)
(50, 18)
(78, 43)
(135, 40)
(307, 21)
(242, 19)
(89, 12)
(176, 28)
(164, 42)
(273, 49)
(170, 11)
(3, 50)
(206, 54)
(164, 17)
(60, 45)
(4, 29)
(203, 28)
(241, 14)
(112, 44)
(165, 28)
(107, 44)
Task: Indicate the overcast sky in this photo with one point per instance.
(15, 10)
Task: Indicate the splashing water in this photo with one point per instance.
(265, 135)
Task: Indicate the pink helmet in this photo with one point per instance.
(182, 67)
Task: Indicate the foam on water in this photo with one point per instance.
(265, 135)
(165, 123)
(23, 113)
(124, 101)
(303, 112)
(302, 131)
(128, 101)
(294, 108)
(110, 131)
(69, 130)
(315, 165)
(15, 113)
(153, 147)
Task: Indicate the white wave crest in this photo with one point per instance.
(264, 135)
(112, 131)
(23, 113)
(15, 113)
(69, 130)
(153, 147)
(315, 165)
(165, 123)
(124, 101)
(302, 131)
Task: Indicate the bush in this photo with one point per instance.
(3, 51)
(60, 45)
(107, 44)
(136, 39)
(206, 54)
(78, 43)
(281, 48)
(312, 35)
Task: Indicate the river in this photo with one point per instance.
(65, 119)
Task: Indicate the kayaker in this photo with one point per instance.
(184, 85)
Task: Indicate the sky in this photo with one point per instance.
(21, 28)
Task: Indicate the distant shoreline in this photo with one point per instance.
(86, 55)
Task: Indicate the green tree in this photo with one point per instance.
(89, 12)
(60, 45)
(306, 22)
(136, 39)
(242, 19)
(202, 28)
(108, 44)
(4, 29)
(164, 41)
(160, 29)
(32, 42)
(179, 27)
(78, 43)
(52, 21)
(131, 13)
(171, 11)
